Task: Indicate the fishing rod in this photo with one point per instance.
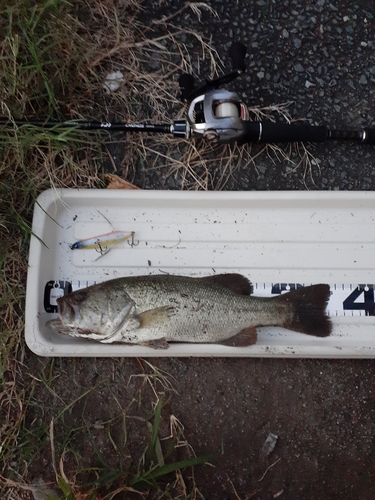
(218, 116)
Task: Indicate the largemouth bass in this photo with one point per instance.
(155, 310)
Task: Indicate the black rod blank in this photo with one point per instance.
(162, 128)
(264, 132)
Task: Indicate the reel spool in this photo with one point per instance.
(218, 116)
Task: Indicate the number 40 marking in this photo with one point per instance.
(368, 304)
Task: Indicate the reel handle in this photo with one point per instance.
(237, 53)
(186, 83)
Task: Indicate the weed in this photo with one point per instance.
(53, 59)
(156, 474)
(54, 56)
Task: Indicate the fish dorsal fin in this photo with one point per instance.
(155, 317)
(232, 281)
(247, 336)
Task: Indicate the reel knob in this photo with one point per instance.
(210, 135)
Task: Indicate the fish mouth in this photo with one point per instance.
(68, 314)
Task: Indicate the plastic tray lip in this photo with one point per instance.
(52, 196)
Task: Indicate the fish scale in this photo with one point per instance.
(157, 309)
(208, 312)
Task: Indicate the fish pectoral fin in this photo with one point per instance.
(247, 336)
(234, 282)
(155, 317)
(157, 343)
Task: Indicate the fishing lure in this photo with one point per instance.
(103, 241)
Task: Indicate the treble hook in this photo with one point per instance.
(101, 249)
(131, 242)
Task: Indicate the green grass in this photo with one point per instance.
(53, 58)
(54, 55)
(67, 433)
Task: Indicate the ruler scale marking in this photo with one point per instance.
(345, 299)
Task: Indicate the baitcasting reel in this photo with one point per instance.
(216, 115)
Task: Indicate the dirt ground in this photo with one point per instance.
(321, 410)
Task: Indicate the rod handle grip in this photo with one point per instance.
(270, 132)
(369, 136)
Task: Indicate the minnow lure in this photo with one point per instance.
(103, 241)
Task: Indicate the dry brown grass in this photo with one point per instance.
(54, 57)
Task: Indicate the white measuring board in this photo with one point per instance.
(279, 240)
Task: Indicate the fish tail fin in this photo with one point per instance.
(308, 310)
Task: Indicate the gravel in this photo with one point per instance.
(320, 57)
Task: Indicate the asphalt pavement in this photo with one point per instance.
(319, 57)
